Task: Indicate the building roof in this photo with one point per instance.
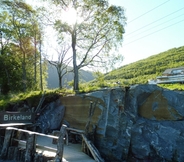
(169, 71)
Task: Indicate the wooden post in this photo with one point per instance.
(96, 155)
(66, 137)
(6, 143)
(30, 147)
(91, 112)
(60, 144)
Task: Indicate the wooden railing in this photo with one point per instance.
(90, 146)
(31, 145)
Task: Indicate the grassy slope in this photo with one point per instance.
(140, 71)
(134, 73)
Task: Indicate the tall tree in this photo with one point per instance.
(21, 29)
(36, 41)
(95, 32)
(4, 69)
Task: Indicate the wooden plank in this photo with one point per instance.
(6, 143)
(93, 150)
(60, 144)
(91, 112)
(14, 124)
(31, 132)
(30, 148)
(57, 133)
(75, 130)
(22, 144)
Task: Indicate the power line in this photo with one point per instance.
(156, 21)
(148, 12)
(154, 32)
(155, 26)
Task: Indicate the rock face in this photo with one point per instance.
(157, 133)
(143, 123)
(77, 111)
(51, 118)
(140, 123)
(146, 124)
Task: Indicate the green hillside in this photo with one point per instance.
(139, 72)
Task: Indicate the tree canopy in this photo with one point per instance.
(19, 53)
(95, 33)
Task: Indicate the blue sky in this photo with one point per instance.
(153, 26)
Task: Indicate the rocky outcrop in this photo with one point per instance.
(143, 123)
(140, 123)
(157, 133)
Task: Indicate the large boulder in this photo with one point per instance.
(142, 123)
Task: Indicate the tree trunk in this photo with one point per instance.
(75, 67)
(24, 79)
(35, 60)
(76, 79)
(60, 82)
(41, 82)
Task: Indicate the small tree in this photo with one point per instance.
(62, 63)
(100, 78)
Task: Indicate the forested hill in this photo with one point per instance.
(140, 71)
(53, 81)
